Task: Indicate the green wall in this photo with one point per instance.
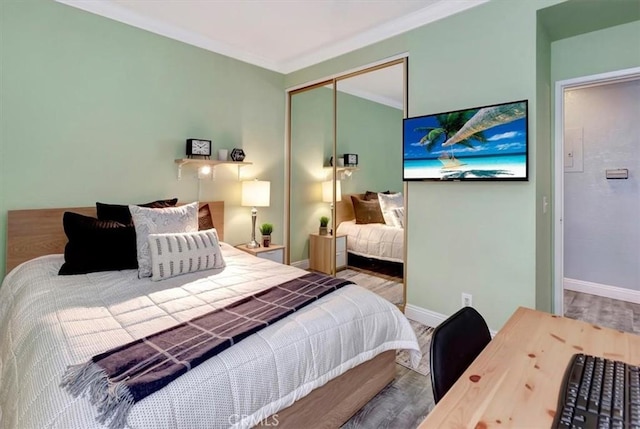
(479, 237)
(493, 239)
(614, 48)
(312, 140)
(544, 172)
(95, 110)
(374, 132)
(488, 239)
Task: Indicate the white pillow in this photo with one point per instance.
(185, 252)
(398, 214)
(160, 221)
(388, 202)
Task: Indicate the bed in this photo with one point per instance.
(314, 368)
(374, 246)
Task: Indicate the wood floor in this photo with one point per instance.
(403, 404)
(612, 313)
(390, 288)
(407, 400)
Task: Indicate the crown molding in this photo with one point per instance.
(434, 12)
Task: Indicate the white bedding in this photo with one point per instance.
(374, 240)
(48, 322)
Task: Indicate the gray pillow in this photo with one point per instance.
(184, 252)
(160, 221)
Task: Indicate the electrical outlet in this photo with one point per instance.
(467, 300)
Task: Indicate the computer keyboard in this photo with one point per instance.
(599, 393)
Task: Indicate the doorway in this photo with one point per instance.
(597, 177)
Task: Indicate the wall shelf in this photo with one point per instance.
(343, 171)
(213, 163)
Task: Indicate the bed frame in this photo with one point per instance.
(37, 232)
(344, 208)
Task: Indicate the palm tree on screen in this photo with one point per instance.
(448, 125)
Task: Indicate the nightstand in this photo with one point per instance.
(274, 252)
(320, 252)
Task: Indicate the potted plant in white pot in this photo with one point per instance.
(324, 221)
(266, 229)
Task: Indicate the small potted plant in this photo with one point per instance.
(266, 229)
(324, 221)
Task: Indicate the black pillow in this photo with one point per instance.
(370, 195)
(120, 213)
(97, 245)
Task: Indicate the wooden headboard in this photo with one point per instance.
(38, 232)
(344, 208)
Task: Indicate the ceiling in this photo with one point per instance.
(279, 35)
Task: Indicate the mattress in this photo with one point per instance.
(48, 322)
(374, 240)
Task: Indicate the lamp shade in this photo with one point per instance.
(327, 191)
(256, 193)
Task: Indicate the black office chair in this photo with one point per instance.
(455, 343)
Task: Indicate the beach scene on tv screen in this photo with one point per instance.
(480, 143)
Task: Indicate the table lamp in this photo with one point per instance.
(327, 194)
(255, 193)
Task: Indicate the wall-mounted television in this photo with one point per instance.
(480, 143)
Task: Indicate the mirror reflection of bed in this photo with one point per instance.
(375, 241)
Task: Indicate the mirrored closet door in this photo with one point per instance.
(311, 134)
(369, 113)
(348, 169)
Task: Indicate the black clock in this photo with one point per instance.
(350, 159)
(198, 147)
(237, 155)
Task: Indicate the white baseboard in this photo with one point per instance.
(428, 317)
(303, 265)
(424, 316)
(606, 291)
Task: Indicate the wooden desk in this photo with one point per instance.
(515, 382)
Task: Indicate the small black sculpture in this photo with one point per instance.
(237, 155)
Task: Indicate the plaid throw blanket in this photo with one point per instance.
(118, 378)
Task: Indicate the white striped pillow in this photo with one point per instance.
(388, 202)
(182, 253)
(398, 214)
